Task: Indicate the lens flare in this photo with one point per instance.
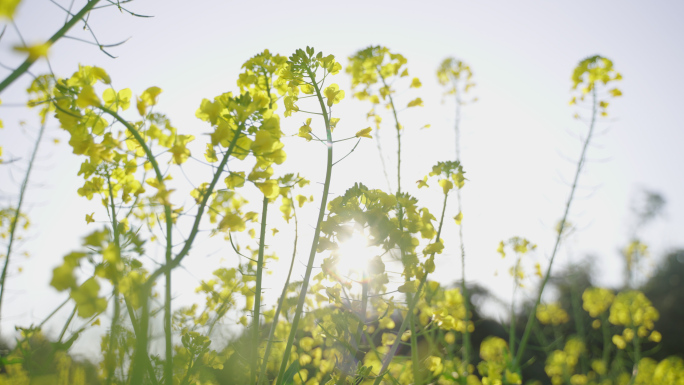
(354, 256)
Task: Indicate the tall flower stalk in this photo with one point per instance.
(458, 77)
(591, 74)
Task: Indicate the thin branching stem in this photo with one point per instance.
(317, 233)
(411, 318)
(532, 317)
(17, 214)
(168, 364)
(411, 306)
(59, 34)
(109, 359)
(459, 203)
(254, 362)
(378, 144)
(58, 308)
(135, 324)
(274, 323)
(66, 325)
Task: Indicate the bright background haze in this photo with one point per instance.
(519, 141)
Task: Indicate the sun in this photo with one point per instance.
(355, 255)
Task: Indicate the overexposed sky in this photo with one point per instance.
(519, 141)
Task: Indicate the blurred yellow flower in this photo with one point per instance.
(551, 314)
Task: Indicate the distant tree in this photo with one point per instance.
(666, 290)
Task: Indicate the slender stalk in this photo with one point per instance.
(576, 308)
(168, 363)
(17, 213)
(511, 330)
(171, 263)
(274, 323)
(364, 308)
(374, 348)
(317, 233)
(220, 312)
(464, 287)
(260, 264)
(141, 348)
(257, 295)
(382, 158)
(191, 365)
(580, 163)
(109, 361)
(59, 34)
(136, 330)
(398, 127)
(66, 325)
(54, 312)
(607, 344)
(412, 303)
(637, 355)
(415, 360)
(168, 343)
(457, 127)
(411, 319)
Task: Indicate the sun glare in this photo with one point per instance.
(355, 255)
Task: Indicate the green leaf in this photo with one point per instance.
(288, 378)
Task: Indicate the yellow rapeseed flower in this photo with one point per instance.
(551, 314)
(632, 308)
(597, 300)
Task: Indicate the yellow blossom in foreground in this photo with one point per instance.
(551, 314)
(669, 371)
(597, 300)
(8, 7)
(36, 51)
(632, 308)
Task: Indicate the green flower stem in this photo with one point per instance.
(364, 308)
(59, 34)
(412, 323)
(66, 325)
(171, 263)
(168, 363)
(317, 233)
(17, 213)
(546, 347)
(607, 343)
(136, 330)
(417, 375)
(274, 323)
(580, 163)
(115, 291)
(558, 338)
(191, 365)
(457, 127)
(260, 264)
(412, 303)
(168, 343)
(257, 295)
(511, 330)
(378, 144)
(141, 348)
(58, 308)
(464, 288)
(393, 350)
(637, 355)
(374, 349)
(220, 312)
(398, 127)
(576, 308)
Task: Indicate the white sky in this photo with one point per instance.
(517, 144)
